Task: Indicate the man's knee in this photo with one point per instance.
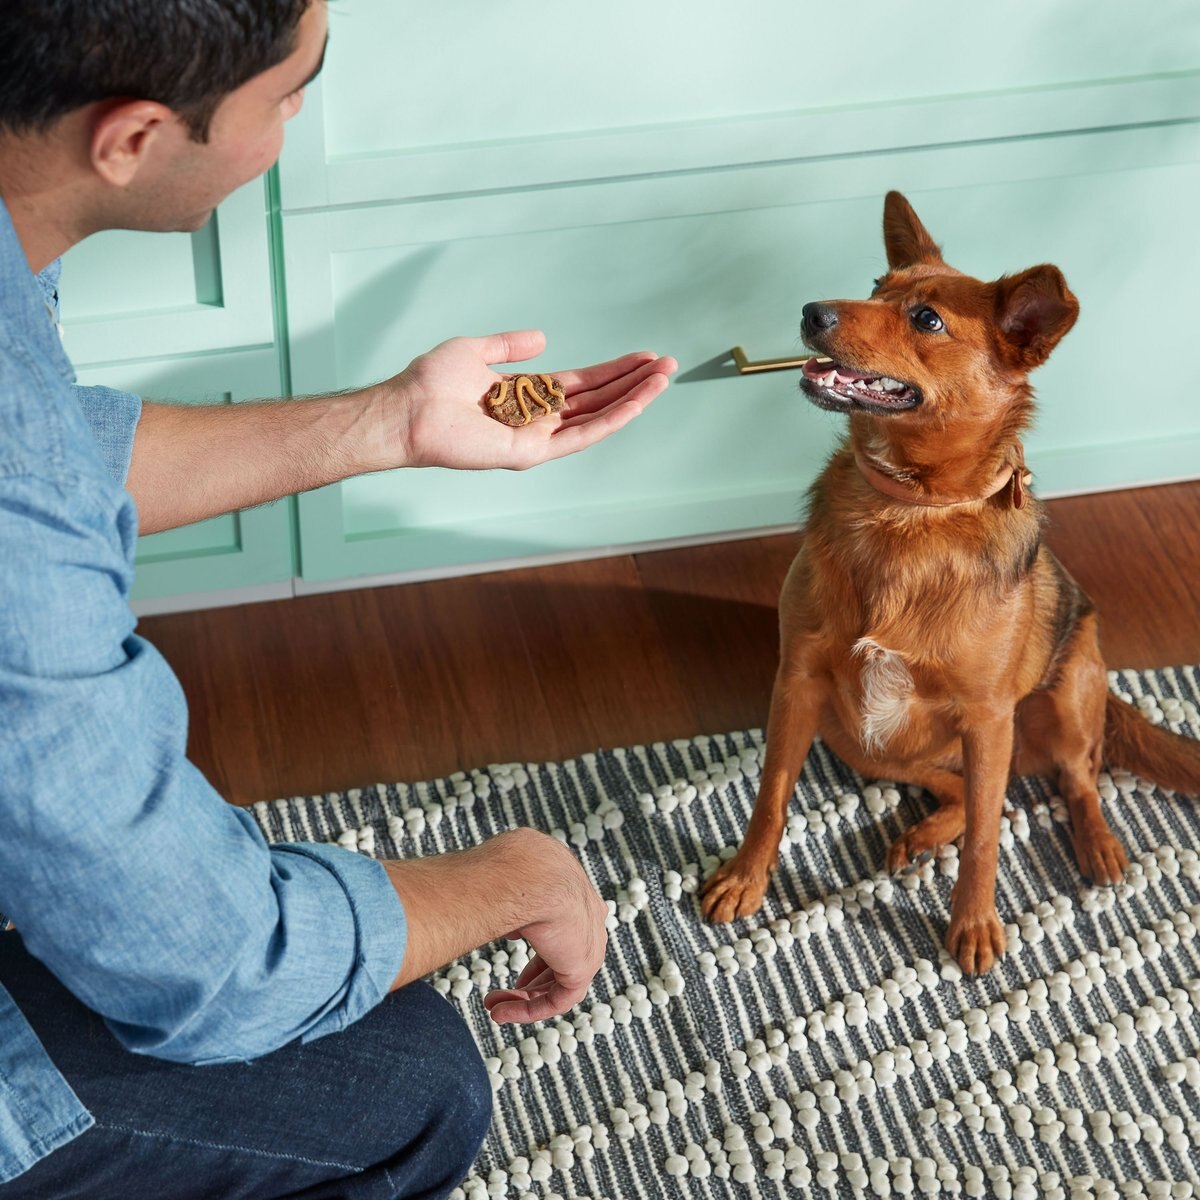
(467, 1113)
(449, 1082)
(475, 1113)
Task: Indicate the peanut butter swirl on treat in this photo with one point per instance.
(519, 400)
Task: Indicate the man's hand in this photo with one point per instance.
(433, 413)
(519, 884)
(569, 945)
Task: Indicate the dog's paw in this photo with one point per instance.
(1099, 853)
(976, 940)
(922, 840)
(734, 889)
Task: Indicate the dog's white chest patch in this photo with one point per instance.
(887, 686)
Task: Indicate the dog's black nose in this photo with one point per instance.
(817, 318)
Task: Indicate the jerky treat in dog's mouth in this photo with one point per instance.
(834, 380)
(520, 400)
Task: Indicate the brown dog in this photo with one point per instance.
(926, 633)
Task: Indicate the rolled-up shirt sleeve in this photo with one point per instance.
(154, 901)
(112, 416)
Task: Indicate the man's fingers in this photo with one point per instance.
(640, 390)
(521, 1012)
(596, 376)
(507, 1005)
(577, 433)
(534, 969)
(514, 346)
(600, 396)
(535, 972)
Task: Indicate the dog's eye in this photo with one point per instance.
(927, 319)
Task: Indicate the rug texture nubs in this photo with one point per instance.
(827, 1047)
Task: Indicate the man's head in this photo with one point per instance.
(59, 55)
(146, 114)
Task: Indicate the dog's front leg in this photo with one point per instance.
(737, 887)
(976, 937)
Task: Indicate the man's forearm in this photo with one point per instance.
(456, 902)
(196, 461)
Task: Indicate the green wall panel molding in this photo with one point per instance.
(705, 85)
(128, 295)
(692, 266)
(237, 550)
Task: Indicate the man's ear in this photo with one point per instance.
(906, 239)
(1033, 311)
(122, 135)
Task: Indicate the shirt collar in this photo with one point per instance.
(27, 301)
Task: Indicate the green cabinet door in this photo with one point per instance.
(689, 189)
(188, 318)
(128, 295)
(692, 265)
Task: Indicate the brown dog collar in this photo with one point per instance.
(1014, 477)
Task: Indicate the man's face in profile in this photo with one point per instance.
(189, 179)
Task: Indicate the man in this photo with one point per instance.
(155, 929)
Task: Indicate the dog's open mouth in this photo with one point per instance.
(838, 387)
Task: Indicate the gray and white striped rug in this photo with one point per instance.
(827, 1047)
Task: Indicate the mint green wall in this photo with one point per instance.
(129, 296)
(684, 199)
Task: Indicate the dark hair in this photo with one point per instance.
(58, 55)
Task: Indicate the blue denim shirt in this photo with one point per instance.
(156, 903)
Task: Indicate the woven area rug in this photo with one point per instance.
(827, 1046)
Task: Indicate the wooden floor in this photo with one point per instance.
(413, 682)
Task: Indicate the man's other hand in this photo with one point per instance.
(519, 884)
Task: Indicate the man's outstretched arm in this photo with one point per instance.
(195, 461)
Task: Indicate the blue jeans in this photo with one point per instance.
(395, 1105)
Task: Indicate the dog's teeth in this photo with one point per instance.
(829, 378)
(876, 385)
(892, 385)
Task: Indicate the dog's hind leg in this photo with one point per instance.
(944, 825)
(941, 777)
(1061, 732)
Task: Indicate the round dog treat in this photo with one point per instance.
(519, 400)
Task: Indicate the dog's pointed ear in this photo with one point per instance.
(1033, 311)
(907, 241)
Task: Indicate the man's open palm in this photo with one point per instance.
(436, 414)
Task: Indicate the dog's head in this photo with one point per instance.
(932, 343)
